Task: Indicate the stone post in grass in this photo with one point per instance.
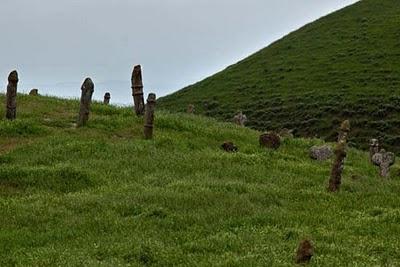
(344, 131)
(240, 119)
(384, 160)
(137, 90)
(86, 99)
(149, 116)
(107, 97)
(11, 96)
(340, 154)
(373, 148)
(190, 109)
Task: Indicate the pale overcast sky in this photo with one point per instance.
(55, 44)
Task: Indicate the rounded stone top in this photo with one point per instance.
(345, 126)
(151, 97)
(374, 142)
(384, 157)
(88, 84)
(34, 92)
(137, 76)
(13, 77)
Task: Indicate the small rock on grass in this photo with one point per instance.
(229, 147)
(321, 153)
(270, 140)
(304, 252)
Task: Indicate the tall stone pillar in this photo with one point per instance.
(107, 97)
(86, 99)
(340, 154)
(11, 96)
(137, 90)
(149, 116)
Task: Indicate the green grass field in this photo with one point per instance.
(345, 65)
(103, 196)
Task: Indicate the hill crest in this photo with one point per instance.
(342, 66)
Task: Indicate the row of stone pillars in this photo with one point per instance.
(87, 90)
(377, 156)
(137, 90)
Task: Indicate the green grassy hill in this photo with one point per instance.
(345, 65)
(103, 196)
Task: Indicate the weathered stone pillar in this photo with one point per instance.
(149, 116)
(190, 109)
(11, 96)
(344, 131)
(240, 119)
(373, 148)
(107, 97)
(340, 152)
(137, 90)
(86, 99)
(384, 160)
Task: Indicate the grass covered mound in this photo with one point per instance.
(103, 196)
(345, 65)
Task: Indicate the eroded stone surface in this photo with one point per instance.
(321, 153)
(344, 130)
(270, 140)
(86, 99)
(149, 116)
(137, 90)
(335, 180)
(373, 148)
(384, 160)
(11, 96)
(240, 119)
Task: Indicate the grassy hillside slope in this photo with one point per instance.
(345, 65)
(103, 196)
